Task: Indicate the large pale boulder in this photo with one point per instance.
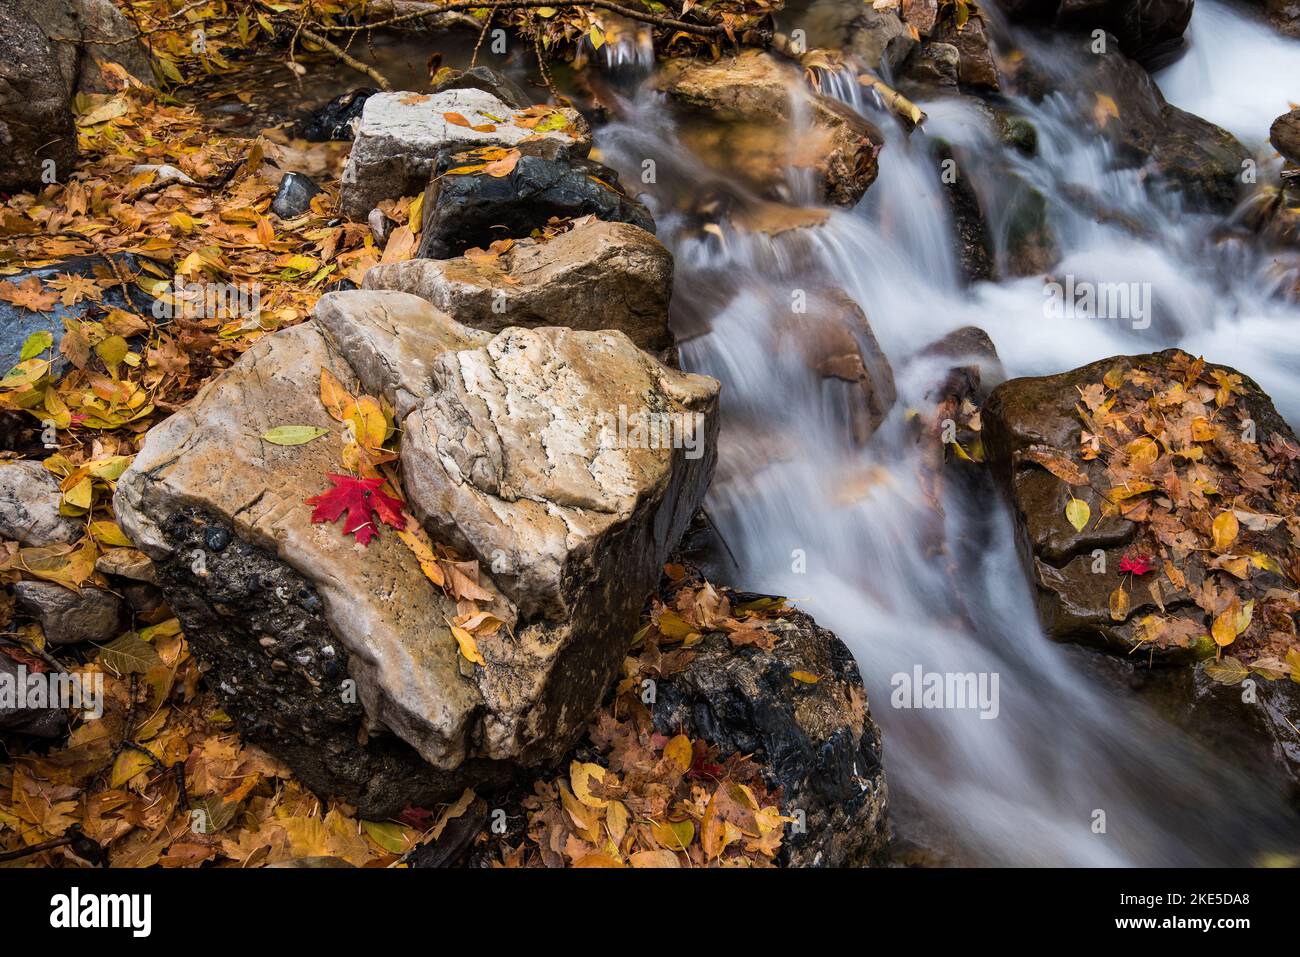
(284, 611)
(775, 116)
(400, 134)
(598, 275)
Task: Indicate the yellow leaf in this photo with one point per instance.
(1142, 451)
(660, 858)
(580, 775)
(680, 752)
(805, 677)
(1077, 513)
(1104, 110)
(1119, 604)
(675, 834)
(128, 764)
(417, 540)
(468, 646)
(1224, 629)
(1225, 530)
(338, 401)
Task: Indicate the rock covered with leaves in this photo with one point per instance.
(738, 736)
(400, 135)
(594, 275)
(458, 660)
(1155, 500)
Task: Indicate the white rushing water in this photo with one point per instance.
(905, 585)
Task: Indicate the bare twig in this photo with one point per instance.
(379, 79)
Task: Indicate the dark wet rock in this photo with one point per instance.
(68, 617)
(816, 741)
(35, 108)
(877, 39)
(1028, 241)
(16, 667)
(1073, 573)
(973, 367)
(489, 81)
(836, 341)
(337, 119)
(1180, 152)
(597, 275)
(29, 506)
(1284, 15)
(974, 246)
(933, 64)
(1284, 134)
(1040, 411)
(1018, 133)
(462, 211)
(1148, 30)
(86, 34)
(293, 198)
(976, 65)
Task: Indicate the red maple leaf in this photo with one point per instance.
(1137, 564)
(358, 497)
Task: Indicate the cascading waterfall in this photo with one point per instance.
(851, 532)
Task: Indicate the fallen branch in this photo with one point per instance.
(343, 56)
(404, 10)
(904, 108)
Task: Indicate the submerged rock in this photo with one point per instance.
(318, 646)
(837, 342)
(1190, 156)
(597, 275)
(816, 740)
(466, 205)
(774, 113)
(400, 135)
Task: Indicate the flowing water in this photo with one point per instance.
(851, 533)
